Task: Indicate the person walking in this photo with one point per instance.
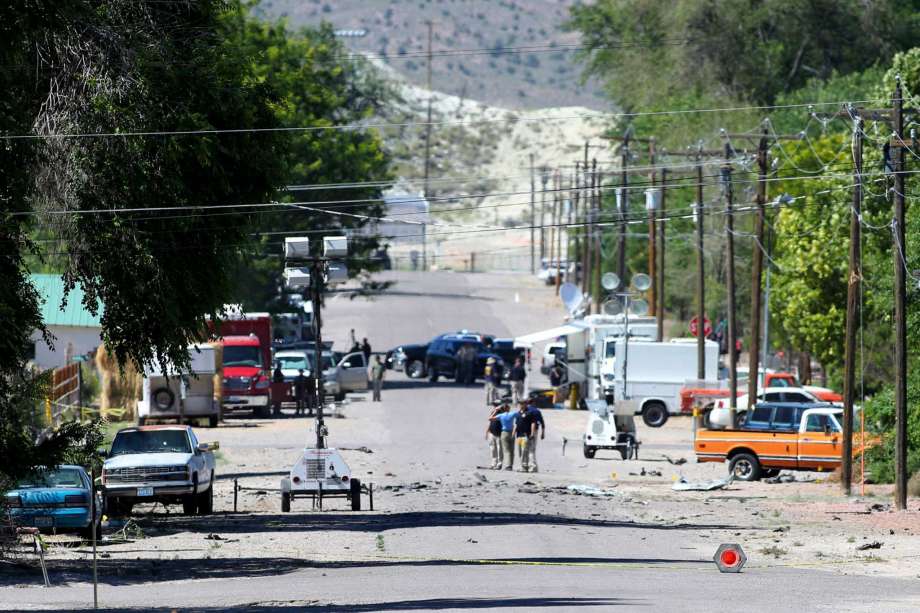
(378, 369)
(523, 432)
(538, 426)
(496, 374)
(556, 376)
(277, 389)
(507, 420)
(494, 435)
(466, 363)
(490, 386)
(300, 389)
(517, 377)
(366, 350)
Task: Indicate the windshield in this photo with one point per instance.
(242, 356)
(293, 362)
(151, 441)
(62, 477)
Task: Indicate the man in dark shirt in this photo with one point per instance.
(517, 377)
(300, 389)
(494, 435)
(524, 430)
(536, 417)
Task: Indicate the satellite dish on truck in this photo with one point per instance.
(571, 296)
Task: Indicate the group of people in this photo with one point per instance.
(515, 432)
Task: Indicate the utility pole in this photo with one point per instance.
(427, 155)
(900, 319)
(624, 208)
(661, 252)
(586, 217)
(533, 217)
(757, 270)
(652, 235)
(579, 238)
(552, 225)
(854, 278)
(559, 224)
(596, 269)
(730, 240)
(700, 279)
(316, 277)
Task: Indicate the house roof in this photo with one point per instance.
(51, 290)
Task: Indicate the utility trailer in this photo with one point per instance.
(608, 428)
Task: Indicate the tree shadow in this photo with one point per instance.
(230, 523)
(126, 571)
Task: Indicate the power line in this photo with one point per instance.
(364, 126)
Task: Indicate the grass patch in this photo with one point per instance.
(774, 551)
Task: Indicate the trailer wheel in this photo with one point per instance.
(589, 451)
(624, 453)
(355, 485)
(745, 467)
(655, 414)
(285, 502)
(433, 376)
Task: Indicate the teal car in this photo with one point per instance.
(55, 500)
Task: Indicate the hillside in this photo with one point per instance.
(501, 74)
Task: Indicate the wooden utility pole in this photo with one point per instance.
(427, 155)
(900, 319)
(730, 241)
(700, 279)
(559, 199)
(596, 268)
(854, 278)
(579, 238)
(533, 218)
(544, 177)
(586, 231)
(661, 252)
(553, 227)
(624, 208)
(757, 271)
(652, 235)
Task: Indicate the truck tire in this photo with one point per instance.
(589, 451)
(285, 502)
(355, 494)
(655, 414)
(189, 504)
(118, 507)
(745, 467)
(141, 421)
(213, 421)
(339, 397)
(415, 369)
(433, 376)
(206, 499)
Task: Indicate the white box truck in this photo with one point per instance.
(191, 396)
(648, 375)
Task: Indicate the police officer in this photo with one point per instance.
(300, 389)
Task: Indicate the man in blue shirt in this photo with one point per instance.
(508, 420)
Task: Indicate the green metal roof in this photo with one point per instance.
(51, 290)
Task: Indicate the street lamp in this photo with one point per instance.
(303, 270)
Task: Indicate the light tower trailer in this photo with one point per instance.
(319, 474)
(611, 427)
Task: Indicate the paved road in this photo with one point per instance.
(449, 536)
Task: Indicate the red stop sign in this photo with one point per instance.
(695, 327)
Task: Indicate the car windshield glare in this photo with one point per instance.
(292, 362)
(242, 356)
(151, 441)
(60, 477)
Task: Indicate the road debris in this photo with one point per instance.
(362, 449)
(590, 490)
(682, 485)
(867, 546)
(677, 462)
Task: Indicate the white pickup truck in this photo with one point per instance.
(163, 464)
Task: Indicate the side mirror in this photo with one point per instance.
(102, 452)
(207, 447)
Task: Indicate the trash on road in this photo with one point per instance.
(677, 462)
(867, 546)
(590, 490)
(682, 485)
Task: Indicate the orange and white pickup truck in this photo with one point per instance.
(781, 437)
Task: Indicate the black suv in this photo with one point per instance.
(441, 359)
(505, 349)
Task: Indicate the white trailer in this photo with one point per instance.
(649, 375)
(169, 395)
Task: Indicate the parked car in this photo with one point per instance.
(346, 374)
(56, 499)
(163, 464)
(718, 417)
(441, 358)
(551, 352)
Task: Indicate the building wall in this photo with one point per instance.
(81, 339)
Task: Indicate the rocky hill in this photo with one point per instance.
(522, 60)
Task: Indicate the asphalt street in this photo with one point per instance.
(447, 534)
